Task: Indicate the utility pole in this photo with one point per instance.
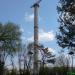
(35, 68)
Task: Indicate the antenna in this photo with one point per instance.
(37, 3)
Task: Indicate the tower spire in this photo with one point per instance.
(36, 4)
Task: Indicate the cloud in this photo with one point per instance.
(30, 17)
(52, 50)
(21, 29)
(23, 38)
(44, 36)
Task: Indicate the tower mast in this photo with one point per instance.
(36, 6)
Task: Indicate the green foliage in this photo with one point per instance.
(44, 71)
(10, 36)
(9, 41)
(27, 72)
(13, 72)
(53, 71)
(1, 67)
(66, 35)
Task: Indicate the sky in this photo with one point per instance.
(21, 13)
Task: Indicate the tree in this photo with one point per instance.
(9, 40)
(19, 53)
(45, 55)
(62, 63)
(25, 58)
(71, 53)
(62, 60)
(66, 35)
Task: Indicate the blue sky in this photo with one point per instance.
(19, 12)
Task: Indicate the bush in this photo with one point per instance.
(44, 71)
